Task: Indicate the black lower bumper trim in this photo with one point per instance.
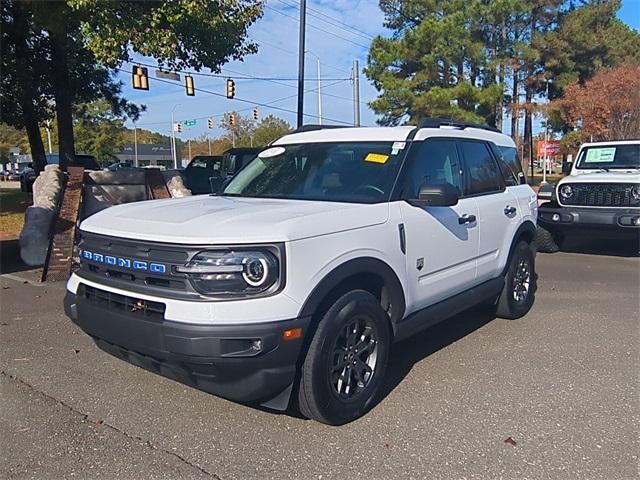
(611, 219)
(247, 363)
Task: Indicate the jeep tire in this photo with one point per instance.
(346, 361)
(546, 241)
(519, 288)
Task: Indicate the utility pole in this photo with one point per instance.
(135, 145)
(356, 93)
(303, 15)
(546, 141)
(189, 141)
(209, 142)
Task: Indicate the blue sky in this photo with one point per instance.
(338, 31)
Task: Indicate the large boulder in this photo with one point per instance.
(175, 184)
(34, 238)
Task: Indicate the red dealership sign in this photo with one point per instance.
(552, 148)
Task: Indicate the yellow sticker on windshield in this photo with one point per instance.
(376, 158)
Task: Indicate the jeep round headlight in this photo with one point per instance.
(566, 191)
(635, 192)
(230, 273)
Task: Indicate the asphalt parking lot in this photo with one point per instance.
(561, 383)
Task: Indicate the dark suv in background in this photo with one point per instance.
(29, 175)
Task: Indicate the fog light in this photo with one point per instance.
(635, 221)
(256, 345)
(555, 217)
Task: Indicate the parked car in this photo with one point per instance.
(318, 255)
(116, 167)
(204, 174)
(235, 159)
(601, 196)
(28, 175)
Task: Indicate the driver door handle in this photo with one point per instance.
(509, 210)
(466, 219)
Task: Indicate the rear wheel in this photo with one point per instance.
(518, 293)
(346, 361)
(546, 241)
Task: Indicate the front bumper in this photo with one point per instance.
(618, 220)
(218, 359)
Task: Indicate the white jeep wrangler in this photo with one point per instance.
(316, 257)
(601, 196)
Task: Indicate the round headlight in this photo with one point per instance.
(566, 191)
(256, 271)
(635, 192)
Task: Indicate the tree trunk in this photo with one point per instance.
(24, 77)
(63, 97)
(528, 128)
(515, 108)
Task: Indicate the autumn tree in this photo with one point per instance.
(607, 107)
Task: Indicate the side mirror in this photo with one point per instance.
(438, 195)
(522, 179)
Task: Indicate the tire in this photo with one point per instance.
(519, 289)
(331, 389)
(547, 242)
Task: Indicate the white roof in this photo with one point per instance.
(348, 134)
(611, 142)
(391, 134)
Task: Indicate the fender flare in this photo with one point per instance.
(527, 228)
(357, 266)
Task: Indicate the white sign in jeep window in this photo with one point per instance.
(600, 155)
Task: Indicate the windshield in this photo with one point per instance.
(609, 156)
(356, 172)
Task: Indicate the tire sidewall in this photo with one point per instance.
(334, 409)
(521, 251)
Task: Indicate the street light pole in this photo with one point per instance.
(173, 137)
(546, 141)
(135, 145)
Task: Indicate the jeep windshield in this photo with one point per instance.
(607, 157)
(355, 172)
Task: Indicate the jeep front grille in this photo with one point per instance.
(600, 195)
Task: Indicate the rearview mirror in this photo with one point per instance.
(436, 195)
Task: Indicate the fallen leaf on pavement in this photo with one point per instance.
(510, 441)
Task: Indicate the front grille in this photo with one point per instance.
(122, 303)
(168, 283)
(600, 195)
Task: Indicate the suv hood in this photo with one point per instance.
(204, 219)
(599, 176)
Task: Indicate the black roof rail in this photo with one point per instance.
(312, 127)
(449, 122)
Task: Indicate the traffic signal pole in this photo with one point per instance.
(303, 15)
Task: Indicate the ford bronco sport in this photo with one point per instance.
(295, 280)
(601, 196)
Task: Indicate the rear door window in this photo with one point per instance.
(481, 169)
(435, 162)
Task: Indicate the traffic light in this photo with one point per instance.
(210, 123)
(231, 88)
(256, 114)
(140, 78)
(178, 127)
(232, 119)
(188, 82)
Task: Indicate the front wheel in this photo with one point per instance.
(519, 288)
(346, 361)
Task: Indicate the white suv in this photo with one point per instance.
(601, 196)
(323, 251)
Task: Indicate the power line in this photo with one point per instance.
(318, 28)
(254, 103)
(239, 76)
(332, 21)
(294, 54)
